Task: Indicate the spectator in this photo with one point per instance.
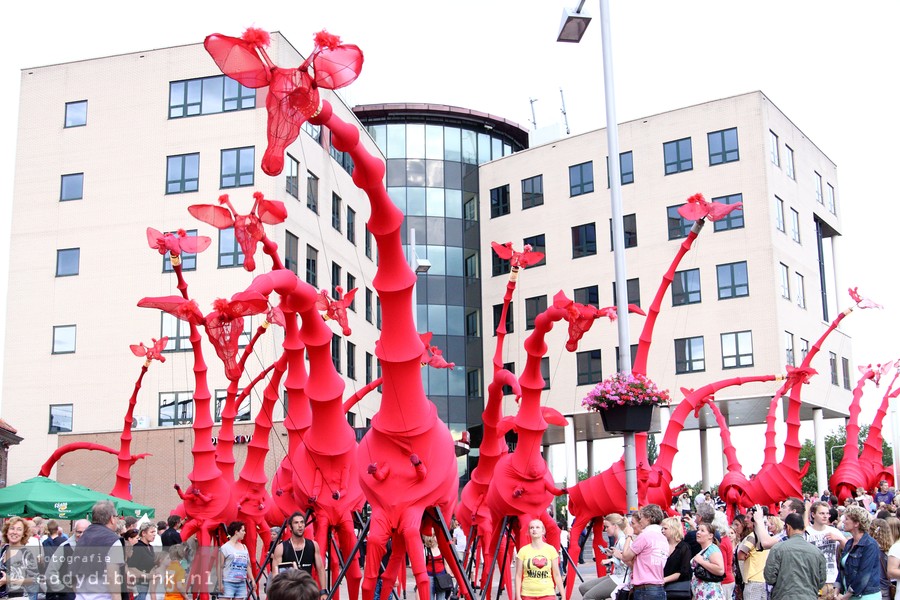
(794, 568)
(827, 539)
(171, 535)
(726, 545)
(293, 584)
(860, 568)
(677, 572)
(603, 587)
(881, 533)
(883, 495)
(537, 566)
(791, 505)
(708, 562)
(647, 553)
(98, 561)
(753, 556)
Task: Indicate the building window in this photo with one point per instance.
(312, 266)
(800, 289)
(470, 268)
(678, 156)
(351, 225)
(733, 281)
(789, 161)
(679, 227)
(241, 414)
(237, 167)
(473, 383)
(589, 295)
(368, 243)
(60, 418)
(832, 366)
(335, 279)
(734, 219)
(533, 307)
(208, 96)
(313, 131)
(292, 179)
(829, 198)
(63, 339)
(773, 149)
(584, 240)
(737, 349)
(351, 284)
(511, 367)
(76, 114)
(351, 360)
(67, 261)
(633, 289)
(473, 322)
(312, 192)
(341, 158)
(500, 201)
(470, 212)
(182, 173)
(589, 367)
(498, 311)
(723, 146)
(804, 349)
(634, 349)
(369, 370)
(581, 179)
(689, 355)
(71, 187)
(230, 254)
(499, 266)
(779, 214)
(845, 371)
(789, 348)
(538, 243)
(686, 287)
(545, 371)
(630, 225)
(820, 197)
(176, 408)
(335, 211)
(785, 281)
(795, 226)
(369, 302)
(336, 352)
(291, 252)
(178, 332)
(532, 191)
(626, 167)
(378, 318)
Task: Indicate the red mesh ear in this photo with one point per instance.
(338, 67)
(237, 59)
(217, 216)
(224, 334)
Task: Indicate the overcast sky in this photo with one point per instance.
(828, 65)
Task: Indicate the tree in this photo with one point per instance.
(652, 449)
(835, 439)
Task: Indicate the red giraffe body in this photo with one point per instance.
(871, 461)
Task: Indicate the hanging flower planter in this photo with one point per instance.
(625, 402)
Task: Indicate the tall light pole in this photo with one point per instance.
(419, 266)
(572, 29)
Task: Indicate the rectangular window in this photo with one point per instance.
(230, 254)
(351, 284)
(369, 370)
(584, 240)
(470, 268)
(678, 156)
(378, 315)
(335, 211)
(686, 287)
(182, 173)
(498, 311)
(237, 167)
(533, 307)
(473, 323)
(773, 149)
(292, 179)
(351, 360)
(500, 201)
(804, 349)
(208, 96)
(369, 302)
(532, 191)
(581, 179)
(473, 383)
(63, 339)
(499, 266)
(737, 349)
(176, 408)
(368, 244)
(832, 366)
(76, 114)
(789, 161)
(679, 227)
(71, 187)
(732, 280)
(351, 225)
(312, 192)
(634, 292)
(242, 413)
(626, 167)
(689, 355)
(67, 261)
(734, 219)
(589, 295)
(312, 266)
(795, 226)
(511, 367)
(313, 131)
(845, 371)
(789, 348)
(291, 252)
(723, 146)
(800, 289)
(785, 281)
(335, 279)
(336, 352)
(630, 224)
(779, 214)
(589, 367)
(829, 198)
(60, 418)
(538, 243)
(178, 332)
(545, 371)
(820, 197)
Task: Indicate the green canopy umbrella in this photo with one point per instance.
(123, 507)
(43, 497)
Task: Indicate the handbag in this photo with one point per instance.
(702, 574)
(442, 579)
(678, 590)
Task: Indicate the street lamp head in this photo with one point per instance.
(573, 26)
(422, 265)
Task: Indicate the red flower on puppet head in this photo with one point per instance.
(336, 309)
(154, 352)
(517, 260)
(698, 208)
(176, 243)
(797, 375)
(248, 229)
(433, 356)
(862, 302)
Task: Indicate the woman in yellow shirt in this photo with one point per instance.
(537, 567)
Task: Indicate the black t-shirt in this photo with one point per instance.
(170, 537)
(305, 558)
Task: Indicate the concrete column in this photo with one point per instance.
(545, 452)
(665, 415)
(590, 457)
(704, 459)
(819, 437)
(571, 455)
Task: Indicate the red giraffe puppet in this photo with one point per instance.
(871, 459)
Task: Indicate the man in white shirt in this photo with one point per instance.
(826, 538)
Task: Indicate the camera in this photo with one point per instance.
(765, 511)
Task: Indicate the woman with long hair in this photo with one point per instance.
(709, 559)
(434, 564)
(20, 565)
(881, 533)
(726, 546)
(537, 567)
(234, 564)
(602, 587)
(741, 528)
(860, 562)
(893, 559)
(677, 572)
